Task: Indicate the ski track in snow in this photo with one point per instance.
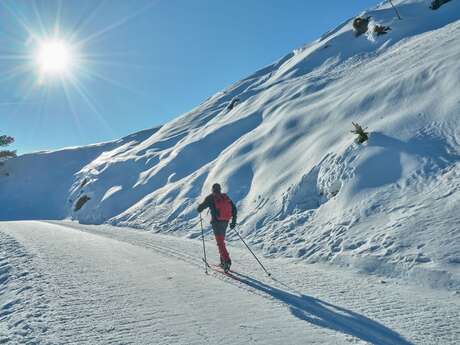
(66, 283)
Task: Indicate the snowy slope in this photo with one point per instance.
(304, 189)
(36, 186)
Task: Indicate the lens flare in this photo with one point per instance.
(54, 57)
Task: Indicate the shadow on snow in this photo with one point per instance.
(327, 315)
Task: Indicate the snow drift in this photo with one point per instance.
(285, 154)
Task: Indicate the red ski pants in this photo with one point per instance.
(224, 257)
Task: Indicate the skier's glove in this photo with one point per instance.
(232, 225)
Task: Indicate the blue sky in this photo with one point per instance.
(141, 63)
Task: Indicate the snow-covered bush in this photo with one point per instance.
(81, 202)
(84, 182)
(233, 102)
(361, 25)
(435, 4)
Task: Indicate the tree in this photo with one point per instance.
(6, 140)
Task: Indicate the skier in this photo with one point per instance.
(222, 210)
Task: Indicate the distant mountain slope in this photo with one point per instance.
(36, 185)
(286, 155)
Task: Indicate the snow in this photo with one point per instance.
(66, 283)
(304, 189)
(39, 185)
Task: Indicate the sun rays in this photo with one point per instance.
(55, 57)
(52, 53)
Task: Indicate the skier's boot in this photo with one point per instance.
(222, 263)
(227, 265)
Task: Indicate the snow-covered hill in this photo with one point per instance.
(285, 154)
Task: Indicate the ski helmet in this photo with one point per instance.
(216, 188)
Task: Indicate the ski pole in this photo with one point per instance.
(204, 247)
(241, 238)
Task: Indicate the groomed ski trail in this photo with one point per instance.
(66, 283)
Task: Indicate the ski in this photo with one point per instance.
(217, 268)
(230, 273)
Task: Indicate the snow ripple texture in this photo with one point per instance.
(119, 286)
(24, 305)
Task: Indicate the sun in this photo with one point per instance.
(54, 58)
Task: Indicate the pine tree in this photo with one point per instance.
(6, 140)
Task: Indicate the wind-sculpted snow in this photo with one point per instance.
(23, 304)
(36, 186)
(285, 154)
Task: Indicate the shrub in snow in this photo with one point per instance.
(381, 29)
(361, 25)
(81, 202)
(361, 132)
(435, 4)
(233, 103)
(83, 183)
